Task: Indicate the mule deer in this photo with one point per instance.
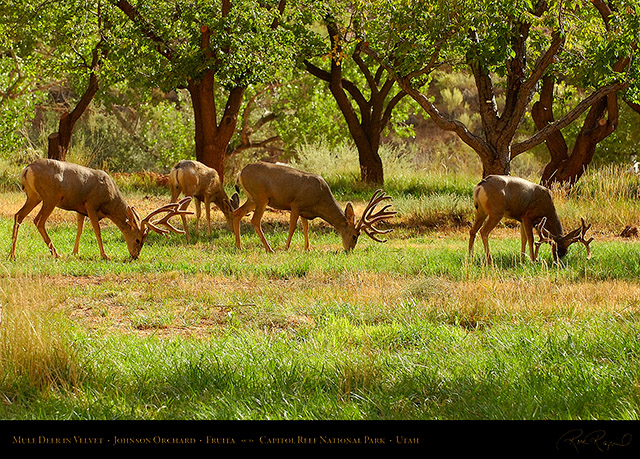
(498, 196)
(192, 178)
(89, 192)
(307, 196)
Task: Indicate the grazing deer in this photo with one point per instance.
(307, 196)
(192, 178)
(91, 193)
(499, 196)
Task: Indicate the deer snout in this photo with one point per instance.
(349, 241)
(134, 244)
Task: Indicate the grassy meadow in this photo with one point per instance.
(410, 329)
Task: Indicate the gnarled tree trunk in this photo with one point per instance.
(372, 116)
(602, 120)
(211, 137)
(567, 167)
(59, 141)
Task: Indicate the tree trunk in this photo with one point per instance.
(601, 121)
(367, 128)
(498, 163)
(58, 142)
(211, 138)
(371, 169)
(566, 167)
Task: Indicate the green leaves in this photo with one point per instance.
(244, 46)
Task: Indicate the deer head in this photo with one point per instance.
(370, 216)
(139, 228)
(560, 245)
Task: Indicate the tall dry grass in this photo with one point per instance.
(35, 347)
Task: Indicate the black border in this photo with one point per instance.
(511, 438)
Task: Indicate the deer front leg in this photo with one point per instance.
(256, 221)
(238, 214)
(78, 234)
(305, 230)
(93, 217)
(293, 223)
(40, 220)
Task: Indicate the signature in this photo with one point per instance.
(579, 439)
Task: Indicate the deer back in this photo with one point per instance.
(518, 199)
(74, 187)
(194, 178)
(283, 187)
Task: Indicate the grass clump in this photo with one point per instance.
(36, 351)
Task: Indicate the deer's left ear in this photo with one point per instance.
(235, 201)
(132, 217)
(350, 214)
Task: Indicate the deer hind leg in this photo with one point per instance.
(78, 234)
(238, 214)
(32, 202)
(175, 192)
(256, 221)
(185, 227)
(484, 234)
(198, 212)
(40, 220)
(293, 223)
(207, 212)
(481, 216)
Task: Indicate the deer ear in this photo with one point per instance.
(132, 217)
(235, 201)
(350, 214)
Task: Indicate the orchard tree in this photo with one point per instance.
(63, 42)
(607, 47)
(508, 47)
(18, 83)
(214, 49)
(363, 90)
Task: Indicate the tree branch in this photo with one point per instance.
(477, 143)
(160, 45)
(347, 85)
(563, 122)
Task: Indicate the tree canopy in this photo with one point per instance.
(509, 47)
(538, 67)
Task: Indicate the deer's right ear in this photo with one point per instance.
(350, 214)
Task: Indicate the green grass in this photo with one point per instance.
(410, 329)
(403, 330)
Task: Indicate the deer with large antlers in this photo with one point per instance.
(306, 196)
(498, 196)
(91, 193)
(193, 178)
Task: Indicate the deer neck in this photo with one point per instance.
(554, 226)
(334, 215)
(118, 215)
